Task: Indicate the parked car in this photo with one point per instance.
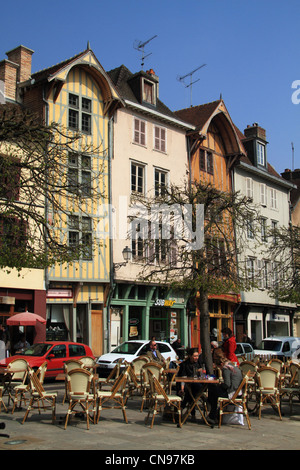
(130, 350)
(54, 352)
(244, 349)
(279, 346)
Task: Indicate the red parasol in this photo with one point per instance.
(25, 319)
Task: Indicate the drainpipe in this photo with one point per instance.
(111, 265)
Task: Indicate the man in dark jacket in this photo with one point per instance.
(189, 368)
(154, 354)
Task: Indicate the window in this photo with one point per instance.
(263, 230)
(137, 241)
(148, 92)
(250, 228)
(80, 235)
(139, 135)
(249, 188)
(59, 351)
(274, 229)
(206, 162)
(263, 194)
(79, 174)
(216, 256)
(250, 265)
(260, 154)
(160, 138)
(13, 234)
(160, 182)
(80, 113)
(76, 350)
(273, 194)
(137, 178)
(10, 173)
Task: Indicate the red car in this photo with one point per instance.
(54, 352)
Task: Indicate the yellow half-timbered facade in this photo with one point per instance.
(78, 96)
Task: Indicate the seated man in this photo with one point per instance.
(154, 354)
(189, 368)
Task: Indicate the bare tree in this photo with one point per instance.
(40, 191)
(177, 260)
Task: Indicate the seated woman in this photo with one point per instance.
(232, 377)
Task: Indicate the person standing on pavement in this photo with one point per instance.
(229, 345)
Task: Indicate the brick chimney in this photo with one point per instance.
(21, 56)
(15, 69)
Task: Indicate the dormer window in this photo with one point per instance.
(261, 158)
(149, 92)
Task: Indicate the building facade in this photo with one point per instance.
(149, 154)
(259, 315)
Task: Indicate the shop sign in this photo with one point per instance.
(134, 321)
(60, 293)
(164, 303)
(7, 300)
(277, 317)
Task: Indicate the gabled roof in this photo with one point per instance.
(198, 115)
(122, 78)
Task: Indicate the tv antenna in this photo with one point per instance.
(293, 156)
(190, 74)
(139, 46)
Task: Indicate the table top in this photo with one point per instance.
(196, 381)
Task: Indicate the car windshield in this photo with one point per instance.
(270, 345)
(127, 348)
(38, 349)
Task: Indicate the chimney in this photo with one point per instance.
(21, 56)
(255, 132)
(8, 75)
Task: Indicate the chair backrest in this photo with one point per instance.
(88, 362)
(242, 388)
(155, 368)
(167, 363)
(294, 368)
(115, 372)
(276, 364)
(138, 363)
(155, 386)
(246, 366)
(41, 372)
(79, 381)
(72, 364)
(35, 384)
(121, 381)
(268, 378)
(21, 368)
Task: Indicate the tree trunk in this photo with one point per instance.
(202, 304)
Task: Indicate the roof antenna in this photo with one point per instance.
(181, 79)
(293, 156)
(139, 46)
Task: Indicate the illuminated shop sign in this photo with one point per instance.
(164, 303)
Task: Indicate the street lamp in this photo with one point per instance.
(126, 255)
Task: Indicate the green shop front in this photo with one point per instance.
(144, 311)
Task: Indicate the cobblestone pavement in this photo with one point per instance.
(112, 434)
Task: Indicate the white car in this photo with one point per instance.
(130, 350)
(279, 346)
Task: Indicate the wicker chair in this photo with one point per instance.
(159, 398)
(268, 388)
(157, 371)
(237, 404)
(291, 391)
(40, 399)
(68, 366)
(117, 396)
(17, 386)
(81, 393)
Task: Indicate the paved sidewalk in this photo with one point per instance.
(112, 434)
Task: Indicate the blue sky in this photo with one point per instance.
(251, 49)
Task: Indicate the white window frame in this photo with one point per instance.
(273, 198)
(261, 154)
(141, 166)
(160, 172)
(263, 194)
(159, 141)
(139, 134)
(249, 188)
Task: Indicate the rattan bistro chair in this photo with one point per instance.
(268, 389)
(40, 399)
(158, 398)
(116, 396)
(81, 394)
(68, 366)
(291, 391)
(237, 404)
